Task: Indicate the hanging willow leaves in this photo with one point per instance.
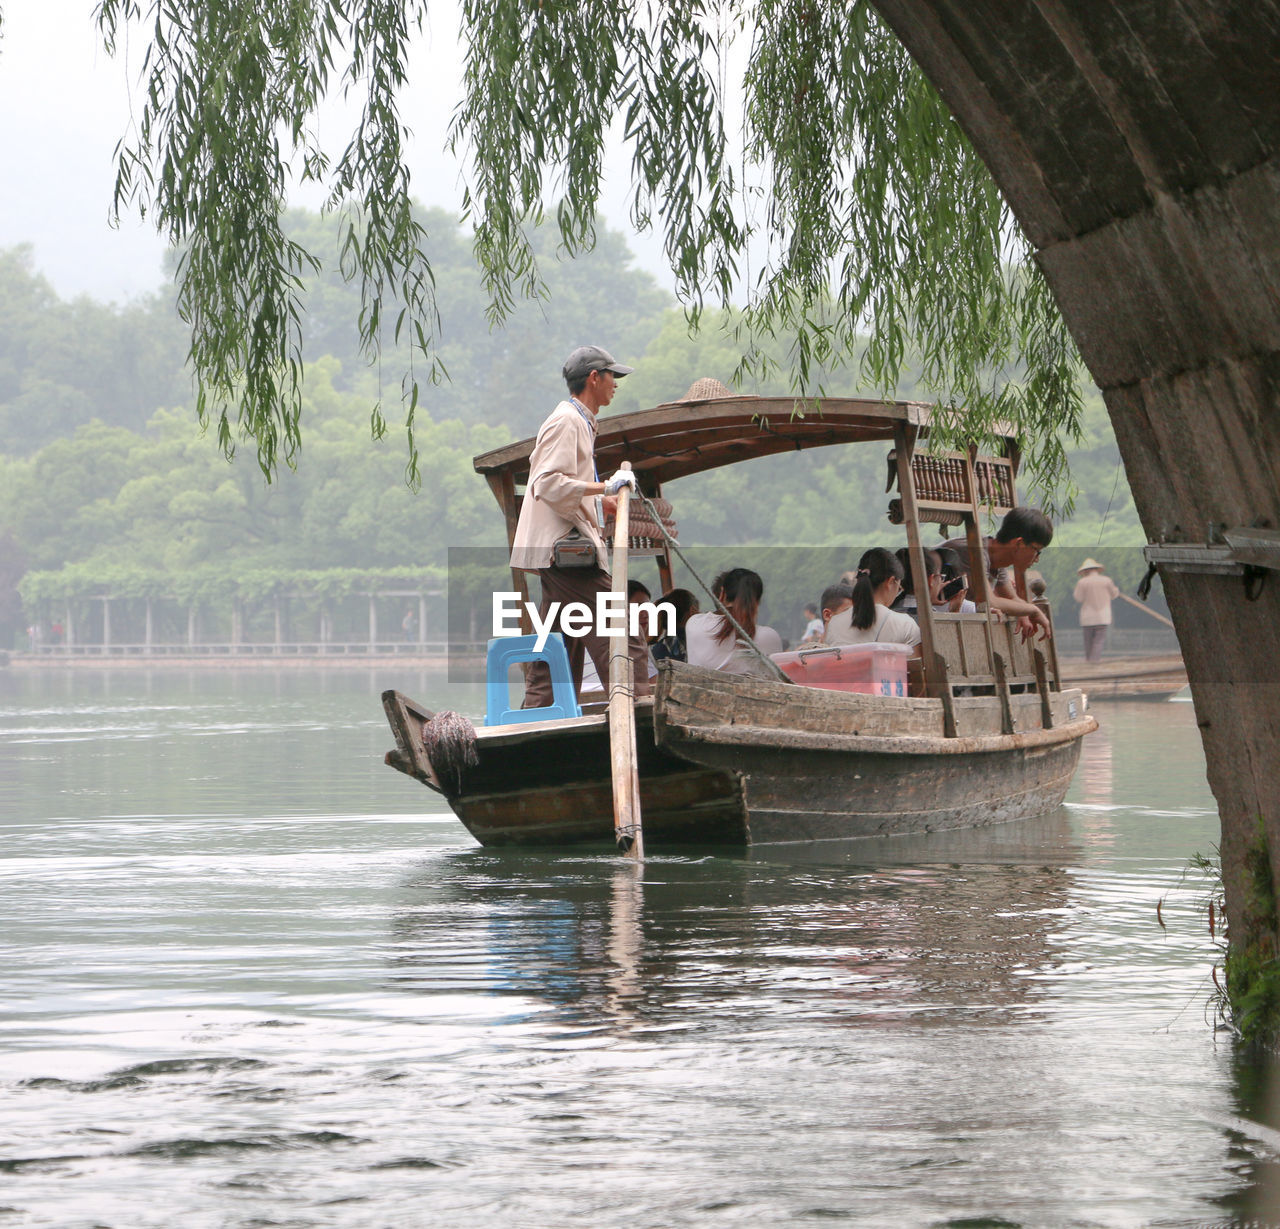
(231, 90)
(885, 237)
(877, 199)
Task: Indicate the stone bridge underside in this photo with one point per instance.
(1136, 141)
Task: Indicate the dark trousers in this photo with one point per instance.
(1095, 636)
(565, 585)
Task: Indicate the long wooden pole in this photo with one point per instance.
(627, 827)
(1155, 614)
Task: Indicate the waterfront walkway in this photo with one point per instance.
(331, 654)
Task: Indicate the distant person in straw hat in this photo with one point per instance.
(1095, 591)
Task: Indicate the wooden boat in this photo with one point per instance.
(1127, 678)
(989, 733)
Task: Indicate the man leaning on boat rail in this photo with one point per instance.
(558, 534)
(1022, 535)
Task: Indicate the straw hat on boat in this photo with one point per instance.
(707, 389)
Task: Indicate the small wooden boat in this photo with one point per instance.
(1127, 678)
(989, 733)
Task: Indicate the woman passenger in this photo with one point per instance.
(876, 584)
(710, 638)
(906, 602)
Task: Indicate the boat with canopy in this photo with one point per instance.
(985, 733)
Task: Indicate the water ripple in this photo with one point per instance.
(252, 978)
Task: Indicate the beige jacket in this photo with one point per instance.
(1095, 591)
(560, 470)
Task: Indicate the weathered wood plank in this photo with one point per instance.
(690, 695)
(672, 441)
(907, 747)
(406, 720)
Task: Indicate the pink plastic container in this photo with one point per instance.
(872, 669)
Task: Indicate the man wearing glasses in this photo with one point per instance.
(1022, 535)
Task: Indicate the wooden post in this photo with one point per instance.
(1051, 646)
(150, 630)
(622, 714)
(904, 440)
(978, 572)
(1042, 686)
(503, 487)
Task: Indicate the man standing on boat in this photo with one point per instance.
(1022, 535)
(558, 534)
(1095, 591)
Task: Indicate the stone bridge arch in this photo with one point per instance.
(1136, 141)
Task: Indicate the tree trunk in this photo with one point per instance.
(1137, 144)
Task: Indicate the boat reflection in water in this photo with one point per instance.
(927, 927)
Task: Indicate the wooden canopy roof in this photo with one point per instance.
(688, 437)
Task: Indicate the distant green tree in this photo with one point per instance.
(62, 364)
(806, 498)
(166, 498)
(1105, 514)
(13, 566)
(508, 374)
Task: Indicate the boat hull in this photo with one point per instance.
(826, 766)
(814, 790)
(554, 788)
(548, 783)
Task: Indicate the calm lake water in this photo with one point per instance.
(252, 977)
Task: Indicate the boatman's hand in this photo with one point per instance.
(624, 477)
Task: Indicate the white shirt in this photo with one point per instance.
(768, 641)
(890, 627)
(703, 649)
(591, 676)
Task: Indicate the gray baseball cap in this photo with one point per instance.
(586, 359)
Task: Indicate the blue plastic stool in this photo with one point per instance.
(506, 651)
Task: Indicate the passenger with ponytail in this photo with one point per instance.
(876, 585)
(713, 642)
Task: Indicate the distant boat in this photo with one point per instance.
(1126, 678)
